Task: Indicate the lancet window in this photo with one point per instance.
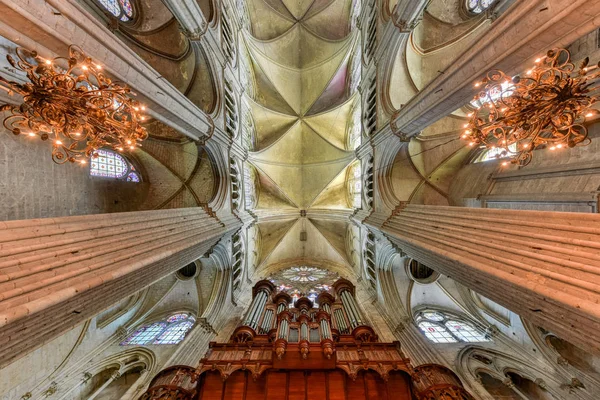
(237, 256)
(370, 114)
(370, 260)
(234, 174)
(231, 114)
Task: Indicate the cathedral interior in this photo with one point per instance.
(299, 199)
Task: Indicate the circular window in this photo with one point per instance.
(421, 273)
(187, 272)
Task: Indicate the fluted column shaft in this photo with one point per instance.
(115, 375)
(544, 266)
(58, 272)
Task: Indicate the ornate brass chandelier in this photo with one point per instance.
(72, 104)
(545, 108)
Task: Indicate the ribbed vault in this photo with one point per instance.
(302, 56)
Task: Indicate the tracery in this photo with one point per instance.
(304, 281)
(171, 330)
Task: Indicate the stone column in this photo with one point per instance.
(544, 266)
(136, 386)
(524, 31)
(58, 272)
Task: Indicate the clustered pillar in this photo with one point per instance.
(541, 265)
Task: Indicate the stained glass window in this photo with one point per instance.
(174, 333)
(440, 328)
(109, 164)
(121, 9)
(504, 90)
(304, 281)
(465, 332)
(146, 334)
(497, 153)
(478, 6)
(172, 330)
(436, 333)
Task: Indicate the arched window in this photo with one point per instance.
(108, 164)
(442, 328)
(478, 6)
(121, 9)
(172, 330)
(354, 179)
(497, 153)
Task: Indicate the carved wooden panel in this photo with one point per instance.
(304, 385)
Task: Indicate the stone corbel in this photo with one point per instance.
(51, 390)
(492, 331)
(402, 136)
(206, 326)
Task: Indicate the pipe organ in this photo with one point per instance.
(280, 344)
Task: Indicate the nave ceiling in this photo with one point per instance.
(303, 63)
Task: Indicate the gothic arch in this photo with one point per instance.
(473, 360)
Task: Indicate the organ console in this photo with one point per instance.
(305, 350)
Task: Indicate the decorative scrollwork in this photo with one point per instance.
(546, 107)
(70, 102)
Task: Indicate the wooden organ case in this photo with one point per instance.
(305, 353)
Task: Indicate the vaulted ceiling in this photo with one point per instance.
(304, 61)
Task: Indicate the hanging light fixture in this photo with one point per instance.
(544, 108)
(72, 104)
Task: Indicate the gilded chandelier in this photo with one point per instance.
(72, 104)
(547, 107)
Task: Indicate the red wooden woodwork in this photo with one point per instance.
(305, 385)
(263, 361)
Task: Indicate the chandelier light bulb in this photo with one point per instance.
(80, 112)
